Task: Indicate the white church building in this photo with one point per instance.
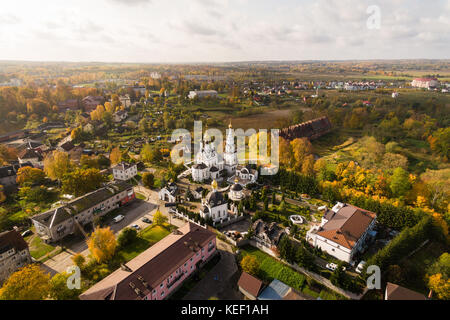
(214, 206)
(209, 163)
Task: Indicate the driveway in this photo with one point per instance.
(224, 286)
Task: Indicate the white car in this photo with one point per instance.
(135, 226)
(118, 218)
(333, 266)
(360, 266)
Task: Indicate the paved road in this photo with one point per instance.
(224, 287)
(133, 213)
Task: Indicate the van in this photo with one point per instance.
(118, 218)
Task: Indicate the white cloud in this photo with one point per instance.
(223, 30)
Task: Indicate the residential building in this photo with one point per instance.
(203, 94)
(214, 206)
(90, 103)
(124, 171)
(8, 174)
(14, 253)
(250, 286)
(426, 83)
(71, 104)
(32, 156)
(57, 223)
(160, 270)
(396, 292)
(343, 232)
(268, 235)
(119, 116)
(125, 100)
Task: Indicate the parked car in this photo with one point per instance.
(333, 266)
(146, 220)
(118, 218)
(360, 266)
(27, 233)
(135, 226)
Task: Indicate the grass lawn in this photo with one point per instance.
(38, 248)
(146, 238)
(140, 196)
(270, 269)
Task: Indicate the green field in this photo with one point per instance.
(270, 269)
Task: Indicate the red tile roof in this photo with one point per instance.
(250, 284)
(151, 267)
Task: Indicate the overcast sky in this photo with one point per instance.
(222, 30)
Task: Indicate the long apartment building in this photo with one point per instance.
(14, 253)
(59, 222)
(157, 272)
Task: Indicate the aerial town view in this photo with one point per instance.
(225, 150)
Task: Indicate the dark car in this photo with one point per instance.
(146, 220)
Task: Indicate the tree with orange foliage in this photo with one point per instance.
(115, 155)
(102, 244)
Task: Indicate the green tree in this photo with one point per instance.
(59, 289)
(399, 183)
(159, 219)
(126, 237)
(82, 181)
(148, 179)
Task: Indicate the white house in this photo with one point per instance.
(125, 100)
(426, 83)
(214, 206)
(202, 94)
(124, 171)
(343, 231)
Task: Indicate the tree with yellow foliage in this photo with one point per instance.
(102, 244)
(250, 265)
(115, 155)
(57, 164)
(159, 219)
(300, 148)
(440, 286)
(27, 283)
